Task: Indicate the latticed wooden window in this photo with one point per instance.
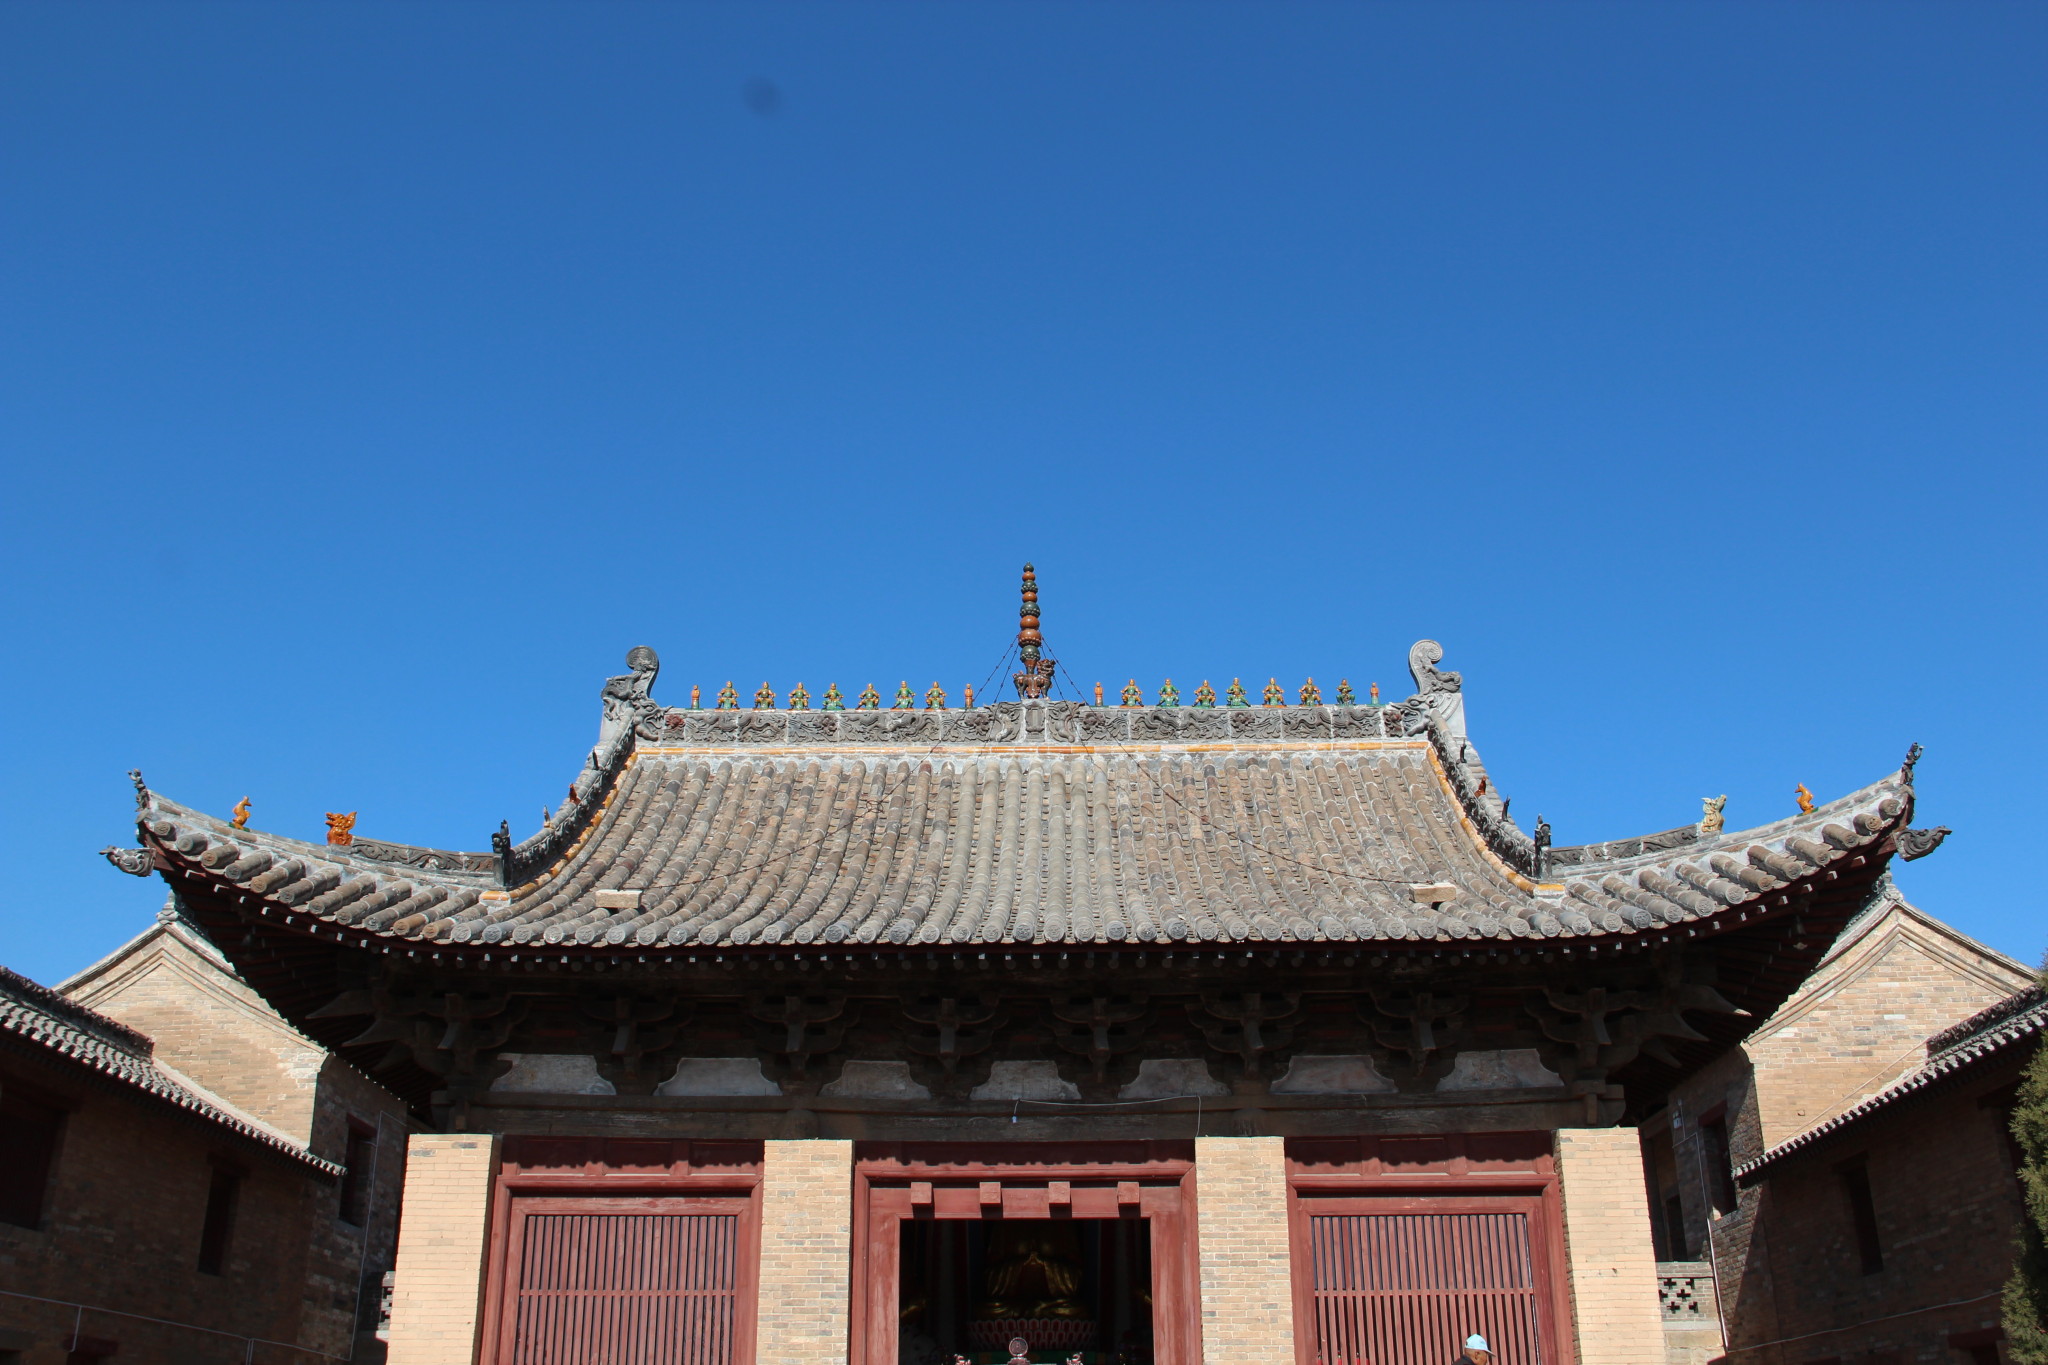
(625, 1282)
(1394, 1288)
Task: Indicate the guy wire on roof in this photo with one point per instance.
(874, 808)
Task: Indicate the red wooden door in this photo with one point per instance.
(655, 1280)
(1395, 1281)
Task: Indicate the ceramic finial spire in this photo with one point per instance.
(1035, 678)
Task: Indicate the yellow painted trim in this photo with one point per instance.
(1465, 821)
(982, 750)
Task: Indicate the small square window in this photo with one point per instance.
(29, 1131)
(1855, 1178)
(217, 1232)
(358, 1165)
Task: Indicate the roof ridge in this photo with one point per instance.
(1991, 1016)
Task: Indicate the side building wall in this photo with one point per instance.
(121, 1227)
(208, 1026)
(1946, 1204)
(1859, 1023)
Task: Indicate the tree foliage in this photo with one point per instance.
(2026, 1293)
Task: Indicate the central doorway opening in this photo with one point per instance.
(1065, 1286)
(1079, 1248)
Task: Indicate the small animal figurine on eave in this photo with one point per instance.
(1711, 820)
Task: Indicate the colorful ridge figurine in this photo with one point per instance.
(241, 813)
(868, 700)
(1169, 695)
(832, 701)
(799, 699)
(1311, 695)
(696, 697)
(1805, 799)
(341, 829)
(1234, 695)
(1345, 696)
(1273, 695)
(764, 698)
(1131, 695)
(728, 697)
(935, 698)
(1711, 817)
(1205, 695)
(904, 700)
(1375, 694)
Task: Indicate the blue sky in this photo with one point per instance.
(373, 376)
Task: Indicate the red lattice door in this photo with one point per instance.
(626, 1281)
(1404, 1282)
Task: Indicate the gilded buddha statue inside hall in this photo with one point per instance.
(1034, 1271)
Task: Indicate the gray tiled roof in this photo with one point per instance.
(37, 1018)
(2019, 1020)
(1300, 837)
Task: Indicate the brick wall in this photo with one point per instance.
(121, 1230)
(1247, 1286)
(210, 1027)
(1864, 1019)
(1947, 1204)
(441, 1246)
(1608, 1247)
(1858, 1023)
(806, 1251)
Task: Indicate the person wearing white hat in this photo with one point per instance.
(1475, 1352)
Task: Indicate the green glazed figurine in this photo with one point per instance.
(1273, 695)
(728, 699)
(870, 700)
(1205, 695)
(1311, 695)
(764, 699)
(1169, 695)
(833, 701)
(1344, 695)
(799, 700)
(1132, 696)
(1235, 695)
(904, 701)
(935, 698)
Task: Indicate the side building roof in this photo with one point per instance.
(37, 1021)
(2020, 1021)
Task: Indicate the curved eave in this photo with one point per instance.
(1736, 870)
(1716, 886)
